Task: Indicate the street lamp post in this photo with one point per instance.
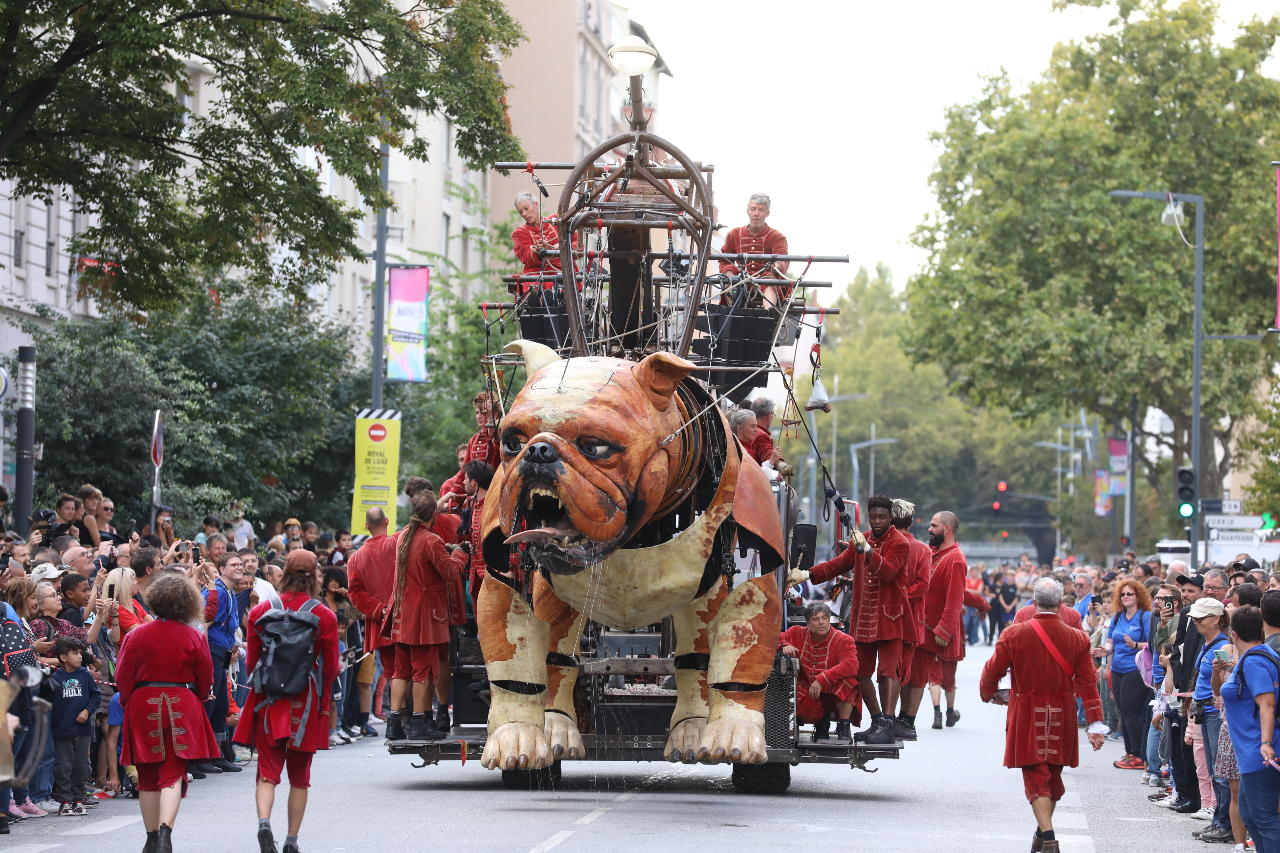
(1198, 201)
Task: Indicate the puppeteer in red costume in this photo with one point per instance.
(944, 612)
(532, 235)
(1050, 667)
(829, 659)
(484, 445)
(162, 673)
(757, 238)
(1069, 616)
(287, 731)
(371, 577)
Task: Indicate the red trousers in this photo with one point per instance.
(888, 651)
(810, 710)
(1043, 780)
(420, 663)
(276, 755)
(926, 668)
(155, 775)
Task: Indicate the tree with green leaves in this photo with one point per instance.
(1042, 294)
(949, 455)
(95, 102)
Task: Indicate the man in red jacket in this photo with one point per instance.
(371, 575)
(828, 672)
(881, 617)
(1050, 665)
(757, 238)
(943, 641)
(484, 445)
(916, 581)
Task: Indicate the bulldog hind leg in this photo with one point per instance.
(743, 640)
(514, 642)
(689, 719)
(560, 719)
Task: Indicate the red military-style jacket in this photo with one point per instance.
(159, 721)
(476, 573)
(770, 241)
(919, 568)
(944, 603)
(1069, 616)
(284, 717)
(880, 609)
(1041, 723)
(761, 448)
(833, 662)
(371, 583)
(433, 596)
(522, 240)
(484, 445)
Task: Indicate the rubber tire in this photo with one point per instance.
(771, 778)
(532, 780)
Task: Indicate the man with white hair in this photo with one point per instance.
(1049, 666)
(757, 238)
(534, 235)
(762, 448)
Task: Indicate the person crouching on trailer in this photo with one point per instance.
(827, 683)
(287, 729)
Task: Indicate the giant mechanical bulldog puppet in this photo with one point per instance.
(623, 487)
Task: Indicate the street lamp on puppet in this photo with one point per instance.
(633, 56)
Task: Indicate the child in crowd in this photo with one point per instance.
(76, 697)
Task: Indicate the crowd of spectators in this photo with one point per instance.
(74, 590)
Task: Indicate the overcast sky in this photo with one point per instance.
(827, 106)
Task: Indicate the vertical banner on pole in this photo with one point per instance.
(1119, 465)
(377, 465)
(157, 459)
(1101, 492)
(407, 292)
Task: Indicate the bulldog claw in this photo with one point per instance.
(516, 745)
(684, 737)
(734, 739)
(562, 734)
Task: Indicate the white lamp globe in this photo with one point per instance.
(632, 56)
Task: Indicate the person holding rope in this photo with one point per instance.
(532, 238)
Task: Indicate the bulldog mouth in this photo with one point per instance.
(554, 541)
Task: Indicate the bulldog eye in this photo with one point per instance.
(594, 448)
(511, 444)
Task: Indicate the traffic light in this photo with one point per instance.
(1185, 481)
(995, 507)
(1001, 486)
(1004, 534)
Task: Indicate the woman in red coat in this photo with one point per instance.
(163, 672)
(429, 598)
(283, 732)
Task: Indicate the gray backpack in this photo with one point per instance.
(289, 661)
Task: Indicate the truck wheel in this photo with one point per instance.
(532, 780)
(771, 778)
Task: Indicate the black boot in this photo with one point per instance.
(266, 841)
(953, 717)
(937, 717)
(902, 730)
(881, 731)
(395, 727)
(420, 729)
(821, 730)
(4, 824)
(442, 719)
(842, 732)
(164, 838)
(153, 838)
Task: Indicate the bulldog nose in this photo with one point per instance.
(542, 453)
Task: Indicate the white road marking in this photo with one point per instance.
(622, 798)
(101, 826)
(552, 841)
(595, 814)
(1070, 820)
(1076, 844)
(30, 848)
(1071, 799)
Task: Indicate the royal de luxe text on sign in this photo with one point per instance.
(377, 465)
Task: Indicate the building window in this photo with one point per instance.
(448, 142)
(19, 240)
(599, 116)
(48, 240)
(583, 82)
(444, 235)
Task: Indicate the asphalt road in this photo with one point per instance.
(948, 792)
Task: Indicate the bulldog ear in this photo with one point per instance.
(659, 374)
(536, 356)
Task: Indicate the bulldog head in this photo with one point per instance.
(583, 465)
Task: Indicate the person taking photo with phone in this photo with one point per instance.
(1127, 634)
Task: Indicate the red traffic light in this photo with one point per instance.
(1004, 534)
(995, 505)
(1001, 486)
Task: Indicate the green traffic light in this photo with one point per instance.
(1186, 510)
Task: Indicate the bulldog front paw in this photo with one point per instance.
(562, 735)
(733, 740)
(516, 745)
(682, 744)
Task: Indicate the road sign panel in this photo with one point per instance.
(1241, 537)
(1221, 506)
(1234, 522)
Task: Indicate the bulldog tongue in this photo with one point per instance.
(564, 528)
